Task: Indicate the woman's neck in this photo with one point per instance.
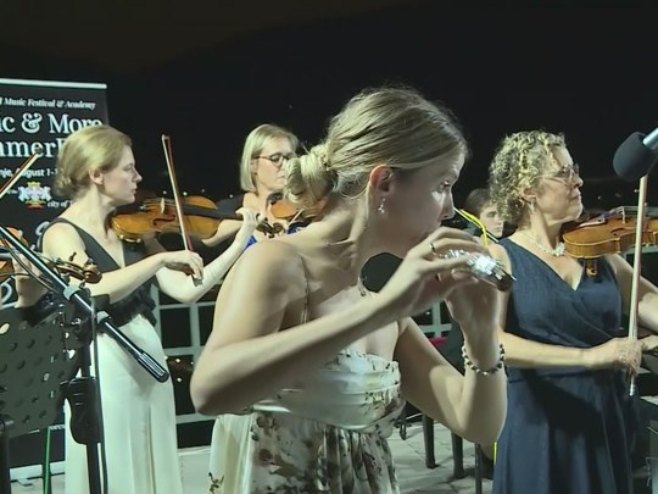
(89, 211)
(541, 230)
(342, 235)
(258, 198)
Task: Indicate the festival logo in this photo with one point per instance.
(34, 195)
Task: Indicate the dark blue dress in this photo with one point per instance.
(568, 430)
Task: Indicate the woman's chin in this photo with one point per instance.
(124, 201)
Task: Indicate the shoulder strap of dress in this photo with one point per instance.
(59, 219)
(306, 311)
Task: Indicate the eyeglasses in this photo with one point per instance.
(568, 174)
(278, 158)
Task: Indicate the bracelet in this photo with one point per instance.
(469, 363)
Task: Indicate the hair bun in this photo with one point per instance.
(309, 177)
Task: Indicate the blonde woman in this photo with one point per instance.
(570, 422)
(266, 150)
(96, 170)
(307, 369)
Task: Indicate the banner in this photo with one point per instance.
(44, 113)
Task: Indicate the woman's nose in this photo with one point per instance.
(448, 211)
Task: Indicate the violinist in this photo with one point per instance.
(570, 420)
(267, 148)
(96, 170)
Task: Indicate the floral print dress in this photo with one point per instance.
(327, 434)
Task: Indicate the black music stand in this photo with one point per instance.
(78, 317)
(34, 362)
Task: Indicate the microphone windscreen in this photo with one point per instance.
(633, 159)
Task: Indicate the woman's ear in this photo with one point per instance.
(96, 176)
(380, 179)
(528, 195)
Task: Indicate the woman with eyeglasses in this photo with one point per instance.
(265, 151)
(570, 420)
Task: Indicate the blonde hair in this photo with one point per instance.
(90, 148)
(518, 164)
(254, 145)
(392, 126)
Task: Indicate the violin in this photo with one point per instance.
(611, 232)
(151, 215)
(88, 273)
(281, 208)
(154, 215)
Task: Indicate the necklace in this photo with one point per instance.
(556, 252)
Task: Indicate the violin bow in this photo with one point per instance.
(169, 158)
(21, 170)
(637, 268)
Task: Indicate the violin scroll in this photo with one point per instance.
(88, 272)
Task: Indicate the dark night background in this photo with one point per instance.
(207, 75)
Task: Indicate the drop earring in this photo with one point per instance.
(381, 209)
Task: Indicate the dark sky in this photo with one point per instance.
(587, 72)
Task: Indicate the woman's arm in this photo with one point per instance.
(524, 353)
(63, 241)
(180, 287)
(647, 310)
(225, 230)
(473, 405)
(247, 357)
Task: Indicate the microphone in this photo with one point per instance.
(636, 156)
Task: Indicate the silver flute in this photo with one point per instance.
(483, 267)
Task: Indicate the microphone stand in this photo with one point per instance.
(637, 267)
(633, 160)
(81, 300)
(82, 392)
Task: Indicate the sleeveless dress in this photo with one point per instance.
(139, 417)
(568, 430)
(325, 434)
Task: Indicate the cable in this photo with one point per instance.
(486, 236)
